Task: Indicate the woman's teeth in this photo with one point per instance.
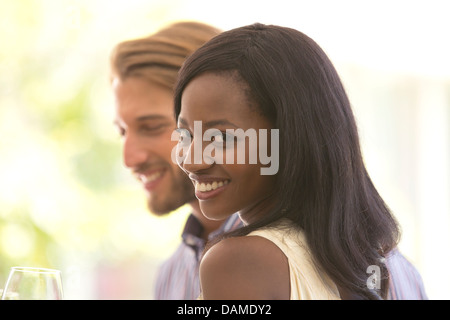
(205, 187)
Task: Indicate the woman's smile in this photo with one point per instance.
(204, 191)
(207, 187)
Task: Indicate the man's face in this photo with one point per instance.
(144, 116)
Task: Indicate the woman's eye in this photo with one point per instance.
(218, 138)
(185, 137)
(223, 138)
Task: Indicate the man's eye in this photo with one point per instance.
(153, 129)
(121, 132)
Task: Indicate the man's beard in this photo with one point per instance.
(182, 192)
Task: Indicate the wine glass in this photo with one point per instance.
(26, 283)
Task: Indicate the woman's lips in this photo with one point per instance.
(208, 188)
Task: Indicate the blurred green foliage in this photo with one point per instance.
(64, 193)
(45, 114)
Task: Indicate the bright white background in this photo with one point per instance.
(393, 57)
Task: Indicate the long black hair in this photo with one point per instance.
(322, 183)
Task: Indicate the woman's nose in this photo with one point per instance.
(194, 158)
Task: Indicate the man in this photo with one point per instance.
(144, 72)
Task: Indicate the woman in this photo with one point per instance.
(315, 227)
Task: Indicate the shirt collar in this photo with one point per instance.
(192, 235)
(193, 230)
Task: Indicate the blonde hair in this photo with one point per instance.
(159, 56)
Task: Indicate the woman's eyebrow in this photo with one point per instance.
(211, 123)
(220, 122)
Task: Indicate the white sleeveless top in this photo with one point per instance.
(306, 281)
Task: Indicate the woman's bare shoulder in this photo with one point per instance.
(249, 267)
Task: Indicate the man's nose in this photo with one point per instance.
(134, 152)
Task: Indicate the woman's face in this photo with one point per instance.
(220, 132)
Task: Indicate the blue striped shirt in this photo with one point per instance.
(405, 281)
